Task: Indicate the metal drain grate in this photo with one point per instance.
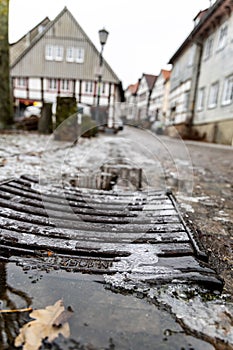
(99, 232)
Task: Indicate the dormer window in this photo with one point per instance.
(40, 29)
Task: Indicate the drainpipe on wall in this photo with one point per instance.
(195, 86)
(148, 103)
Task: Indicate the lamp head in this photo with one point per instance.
(103, 35)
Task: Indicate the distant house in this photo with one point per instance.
(201, 92)
(158, 109)
(182, 84)
(56, 58)
(129, 107)
(144, 89)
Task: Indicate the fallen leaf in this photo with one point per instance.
(50, 253)
(34, 332)
(63, 317)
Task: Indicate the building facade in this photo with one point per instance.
(158, 109)
(57, 58)
(201, 90)
(214, 103)
(143, 99)
(129, 107)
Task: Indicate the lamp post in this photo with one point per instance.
(103, 35)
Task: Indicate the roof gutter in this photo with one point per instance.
(196, 29)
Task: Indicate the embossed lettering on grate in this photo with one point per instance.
(104, 232)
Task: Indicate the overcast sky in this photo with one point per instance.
(143, 35)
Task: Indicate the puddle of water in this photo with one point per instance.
(102, 319)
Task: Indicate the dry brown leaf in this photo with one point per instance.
(34, 332)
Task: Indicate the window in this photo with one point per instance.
(208, 49)
(176, 70)
(54, 52)
(52, 84)
(40, 28)
(49, 52)
(186, 101)
(79, 55)
(213, 97)
(201, 99)
(228, 91)
(89, 86)
(58, 53)
(222, 37)
(74, 54)
(21, 82)
(191, 56)
(70, 54)
(65, 85)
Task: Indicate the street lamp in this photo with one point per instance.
(103, 35)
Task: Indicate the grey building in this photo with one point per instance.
(201, 92)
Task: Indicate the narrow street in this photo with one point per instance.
(200, 177)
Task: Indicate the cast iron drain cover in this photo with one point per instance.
(102, 232)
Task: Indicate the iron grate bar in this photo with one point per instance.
(93, 231)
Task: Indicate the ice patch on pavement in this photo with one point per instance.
(211, 320)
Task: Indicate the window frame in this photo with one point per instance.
(49, 52)
(70, 54)
(89, 87)
(21, 82)
(227, 97)
(65, 85)
(209, 45)
(191, 56)
(186, 101)
(213, 95)
(51, 86)
(75, 54)
(222, 38)
(201, 99)
(79, 55)
(58, 53)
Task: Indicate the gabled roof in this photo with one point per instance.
(34, 31)
(166, 74)
(18, 47)
(216, 10)
(133, 88)
(150, 79)
(48, 27)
